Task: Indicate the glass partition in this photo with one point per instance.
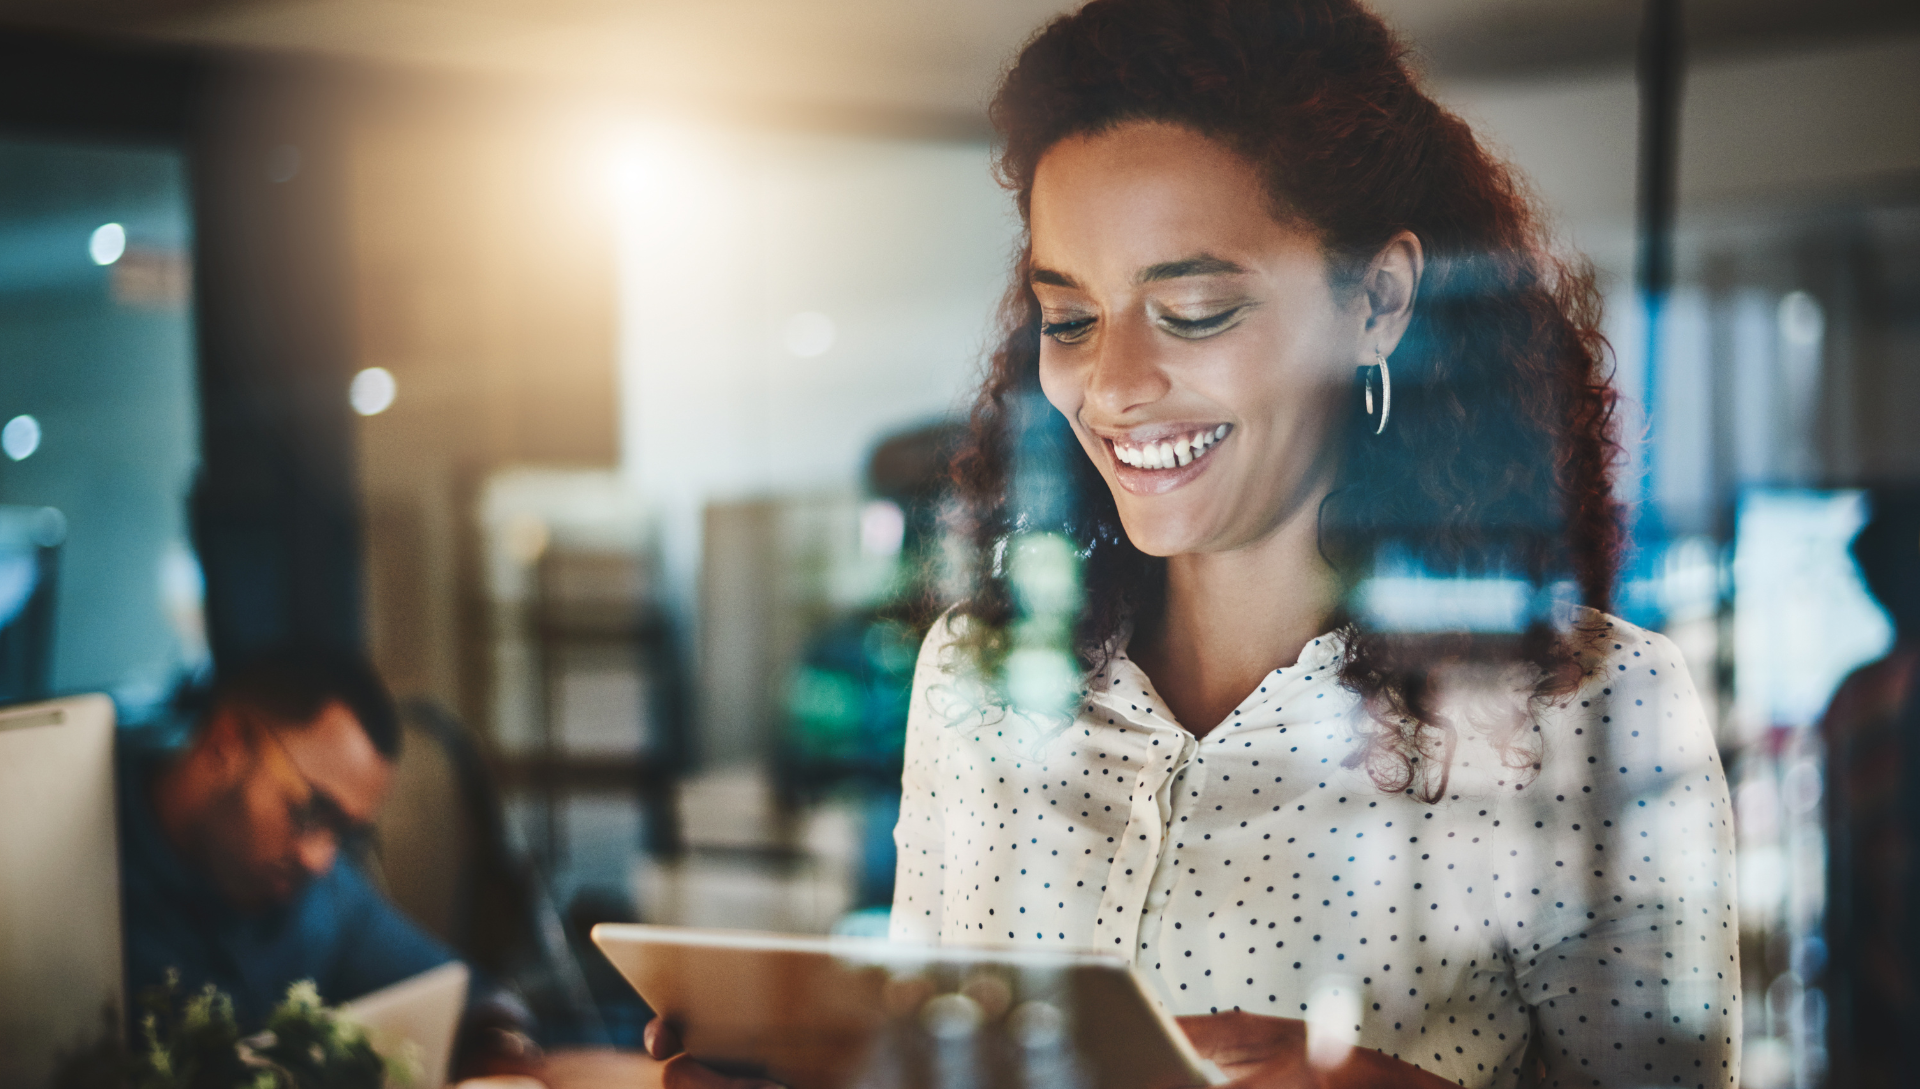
(97, 395)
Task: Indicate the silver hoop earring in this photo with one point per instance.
(1367, 377)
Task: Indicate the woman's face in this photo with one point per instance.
(1194, 342)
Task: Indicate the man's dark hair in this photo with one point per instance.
(293, 685)
(1888, 552)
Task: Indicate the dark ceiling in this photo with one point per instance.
(905, 58)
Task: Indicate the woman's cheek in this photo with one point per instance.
(1060, 386)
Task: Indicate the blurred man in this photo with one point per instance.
(237, 852)
(1872, 732)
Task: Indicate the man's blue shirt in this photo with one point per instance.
(337, 931)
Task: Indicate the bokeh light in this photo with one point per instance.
(20, 437)
(108, 243)
(372, 391)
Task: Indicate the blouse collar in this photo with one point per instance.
(1124, 687)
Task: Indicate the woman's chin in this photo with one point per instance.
(1163, 536)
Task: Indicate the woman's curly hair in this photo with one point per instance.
(1500, 453)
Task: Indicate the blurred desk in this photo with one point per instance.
(583, 1068)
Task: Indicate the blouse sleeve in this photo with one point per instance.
(919, 876)
(1620, 917)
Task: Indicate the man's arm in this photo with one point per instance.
(373, 944)
(378, 946)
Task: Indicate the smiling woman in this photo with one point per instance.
(1326, 195)
(1238, 338)
(1304, 331)
(1281, 324)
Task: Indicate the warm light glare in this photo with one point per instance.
(372, 391)
(809, 333)
(109, 241)
(668, 185)
(20, 438)
(626, 168)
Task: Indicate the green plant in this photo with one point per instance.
(190, 1043)
(193, 1042)
(308, 1046)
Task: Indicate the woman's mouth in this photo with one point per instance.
(1177, 452)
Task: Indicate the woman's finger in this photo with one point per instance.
(1231, 1039)
(661, 1039)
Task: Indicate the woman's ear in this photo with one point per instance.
(1391, 285)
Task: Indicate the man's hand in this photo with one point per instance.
(493, 1039)
(1271, 1053)
(680, 1072)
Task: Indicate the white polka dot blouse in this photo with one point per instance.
(1571, 907)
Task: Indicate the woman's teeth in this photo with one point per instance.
(1167, 455)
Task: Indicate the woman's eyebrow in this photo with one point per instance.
(1204, 264)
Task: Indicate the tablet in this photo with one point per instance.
(840, 1013)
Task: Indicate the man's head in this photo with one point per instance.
(1888, 552)
(289, 765)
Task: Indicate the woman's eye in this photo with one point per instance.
(1067, 332)
(1197, 328)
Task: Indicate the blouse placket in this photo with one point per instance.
(1138, 862)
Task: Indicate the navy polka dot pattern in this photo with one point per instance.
(1575, 885)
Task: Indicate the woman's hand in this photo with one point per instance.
(1271, 1053)
(1255, 1051)
(681, 1072)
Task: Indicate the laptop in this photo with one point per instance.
(413, 1021)
(60, 966)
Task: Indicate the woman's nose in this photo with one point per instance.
(1126, 369)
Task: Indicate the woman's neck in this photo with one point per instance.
(1232, 617)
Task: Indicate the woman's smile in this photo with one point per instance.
(1152, 461)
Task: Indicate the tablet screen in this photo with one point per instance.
(823, 1013)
